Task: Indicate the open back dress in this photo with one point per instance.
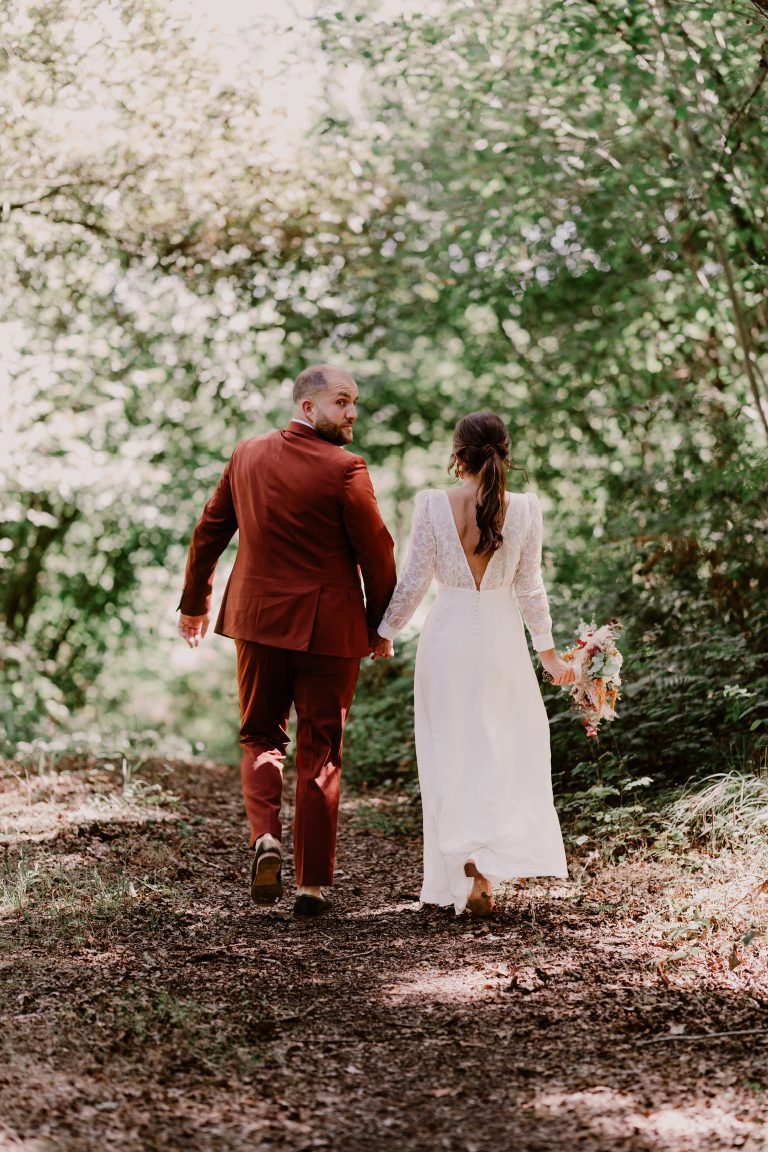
(482, 735)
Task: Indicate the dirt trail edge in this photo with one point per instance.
(147, 1005)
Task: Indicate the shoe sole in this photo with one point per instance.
(266, 884)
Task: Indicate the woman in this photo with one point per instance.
(482, 737)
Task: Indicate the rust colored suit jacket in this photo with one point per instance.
(309, 525)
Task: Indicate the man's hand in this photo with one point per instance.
(193, 628)
(381, 649)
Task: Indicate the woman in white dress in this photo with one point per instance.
(482, 736)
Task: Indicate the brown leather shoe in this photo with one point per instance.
(267, 871)
(309, 907)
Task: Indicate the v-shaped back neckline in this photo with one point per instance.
(478, 587)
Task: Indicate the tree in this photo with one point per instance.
(160, 266)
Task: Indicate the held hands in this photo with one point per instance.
(193, 628)
(555, 669)
(381, 649)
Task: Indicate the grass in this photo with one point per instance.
(169, 1029)
(42, 803)
(216, 1032)
(729, 811)
(16, 885)
(724, 811)
(63, 895)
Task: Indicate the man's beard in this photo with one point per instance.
(333, 433)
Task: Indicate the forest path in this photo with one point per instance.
(147, 1005)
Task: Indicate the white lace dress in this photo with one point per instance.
(482, 736)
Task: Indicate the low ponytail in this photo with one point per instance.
(481, 447)
(491, 503)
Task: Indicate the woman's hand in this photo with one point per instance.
(381, 649)
(558, 671)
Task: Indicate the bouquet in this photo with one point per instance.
(597, 664)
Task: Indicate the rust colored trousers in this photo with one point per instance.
(270, 680)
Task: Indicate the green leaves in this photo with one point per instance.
(554, 212)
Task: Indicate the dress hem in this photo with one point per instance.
(523, 874)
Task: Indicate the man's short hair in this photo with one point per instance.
(308, 382)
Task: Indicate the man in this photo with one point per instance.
(309, 525)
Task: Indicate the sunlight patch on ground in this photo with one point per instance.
(384, 910)
(10, 1142)
(439, 986)
(42, 805)
(535, 886)
(460, 984)
(615, 1114)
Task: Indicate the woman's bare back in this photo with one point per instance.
(463, 503)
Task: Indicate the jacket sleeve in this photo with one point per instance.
(417, 574)
(370, 540)
(212, 533)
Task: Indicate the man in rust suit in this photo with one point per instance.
(308, 527)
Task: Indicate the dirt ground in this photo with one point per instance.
(147, 1005)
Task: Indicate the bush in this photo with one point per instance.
(694, 702)
(31, 704)
(684, 568)
(379, 744)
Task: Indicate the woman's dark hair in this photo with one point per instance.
(481, 448)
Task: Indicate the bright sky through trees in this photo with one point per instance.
(276, 37)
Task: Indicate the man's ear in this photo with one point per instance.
(307, 408)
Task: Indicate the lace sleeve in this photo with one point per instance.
(416, 575)
(529, 584)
